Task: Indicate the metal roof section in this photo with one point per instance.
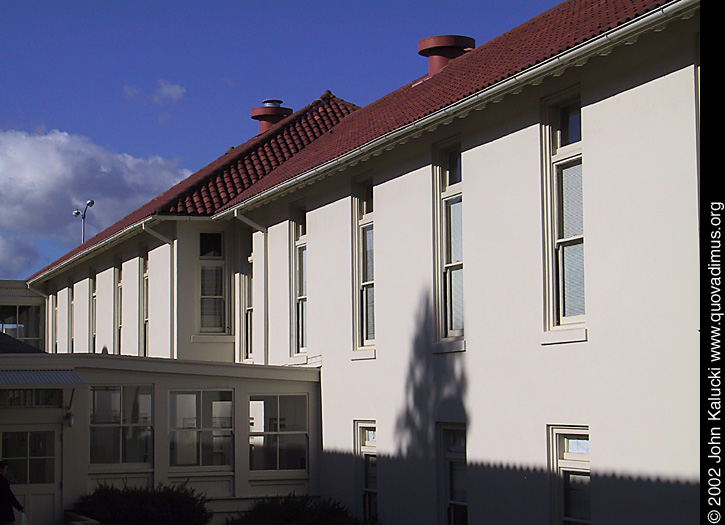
(40, 377)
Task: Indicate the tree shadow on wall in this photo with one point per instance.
(435, 390)
(408, 481)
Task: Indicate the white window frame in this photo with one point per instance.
(144, 300)
(447, 456)
(93, 310)
(213, 261)
(118, 306)
(298, 281)
(121, 424)
(562, 463)
(275, 428)
(198, 429)
(54, 322)
(365, 448)
(363, 219)
(446, 192)
(556, 158)
(247, 312)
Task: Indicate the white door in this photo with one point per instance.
(33, 454)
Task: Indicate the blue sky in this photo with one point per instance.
(116, 100)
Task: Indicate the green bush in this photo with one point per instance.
(161, 505)
(295, 510)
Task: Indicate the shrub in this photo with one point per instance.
(295, 510)
(161, 505)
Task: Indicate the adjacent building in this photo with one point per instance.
(475, 300)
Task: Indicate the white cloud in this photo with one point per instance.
(44, 177)
(168, 91)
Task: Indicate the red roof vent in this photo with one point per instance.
(270, 113)
(443, 48)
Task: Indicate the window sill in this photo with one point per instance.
(562, 335)
(209, 470)
(363, 354)
(212, 338)
(276, 475)
(298, 359)
(448, 346)
(116, 468)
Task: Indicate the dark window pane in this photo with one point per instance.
(105, 444)
(210, 245)
(138, 444)
(41, 470)
(292, 451)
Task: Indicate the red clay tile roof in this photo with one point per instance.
(549, 34)
(330, 127)
(206, 191)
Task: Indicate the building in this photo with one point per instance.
(435, 361)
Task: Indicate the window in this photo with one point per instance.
(452, 474)
(202, 424)
(364, 265)
(71, 316)
(366, 449)
(121, 424)
(23, 322)
(94, 310)
(278, 437)
(565, 213)
(569, 465)
(118, 304)
(449, 241)
(213, 290)
(144, 310)
(247, 312)
(299, 280)
(31, 397)
(30, 456)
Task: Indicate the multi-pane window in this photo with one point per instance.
(202, 428)
(144, 260)
(121, 424)
(71, 316)
(569, 461)
(299, 280)
(118, 305)
(278, 432)
(247, 312)
(212, 295)
(449, 281)
(94, 311)
(565, 211)
(30, 456)
(365, 265)
(453, 474)
(31, 397)
(23, 322)
(366, 446)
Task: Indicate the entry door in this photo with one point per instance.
(33, 455)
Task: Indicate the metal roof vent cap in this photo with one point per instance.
(270, 113)
(442, 49)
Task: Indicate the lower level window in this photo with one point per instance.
(30, 456)
(278, 436)
(122, 424)
(366, 448)
(569, 460)
(202, 428)
(453, 473)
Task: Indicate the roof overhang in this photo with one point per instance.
(577, 56)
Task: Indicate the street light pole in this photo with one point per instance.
(76, 213)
